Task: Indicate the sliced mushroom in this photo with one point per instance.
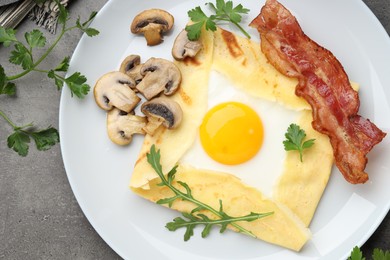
(159, 76)
(122, 126)
(131, 66)
(161, 111)
(113, 89)
(152, 23)
(183, 47)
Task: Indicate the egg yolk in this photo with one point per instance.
(231, 133)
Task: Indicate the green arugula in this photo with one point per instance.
(23, 54)
(294, 140)
(195, 218)
(19, 140)
(223, 12)
(377, 254)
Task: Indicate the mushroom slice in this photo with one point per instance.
(161, 111)
(113, 89)
(183, 47)
(159, 76)
(131, 66)
(122, 126)
(152, 23)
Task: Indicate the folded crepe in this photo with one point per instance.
(301, 185)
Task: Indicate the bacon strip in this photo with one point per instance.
(324, 84)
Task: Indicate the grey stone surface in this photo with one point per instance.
(39, 215)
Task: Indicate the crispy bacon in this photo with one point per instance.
(324, 84)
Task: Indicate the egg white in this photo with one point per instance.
(264, 169)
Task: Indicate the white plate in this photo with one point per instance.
(99, 171)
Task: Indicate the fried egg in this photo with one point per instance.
(241, 135)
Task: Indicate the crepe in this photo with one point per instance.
(301, 185)
(190, 96)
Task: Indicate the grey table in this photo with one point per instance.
(39, 216)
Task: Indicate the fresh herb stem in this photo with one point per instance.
(8, 120)
(42, 58)
(239, 27)
(23, 55)
(224, 219)
(20, 138)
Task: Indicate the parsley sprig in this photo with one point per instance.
(20, 138)
(195, 217)
(223, 12)
(294, 140)
(377, 254)
(24, 55)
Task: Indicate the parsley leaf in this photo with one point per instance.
(77, 85)
(7, 36)
(75, 82)
(35, 38)
(223, 12)
(20, 138)
(294, 140)
(85, 26)
(64, 65)
(7, 88)
(58, 80)
(45, 139)
(18, 141)
(356, 254)
(21, 56)
(378, 254)
(63, 15)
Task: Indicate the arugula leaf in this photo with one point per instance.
(191, 220)
(21, 56)
(7, 36)
(294, 142)
(35, 38)
(223, 12)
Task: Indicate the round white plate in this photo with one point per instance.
(99, 171)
